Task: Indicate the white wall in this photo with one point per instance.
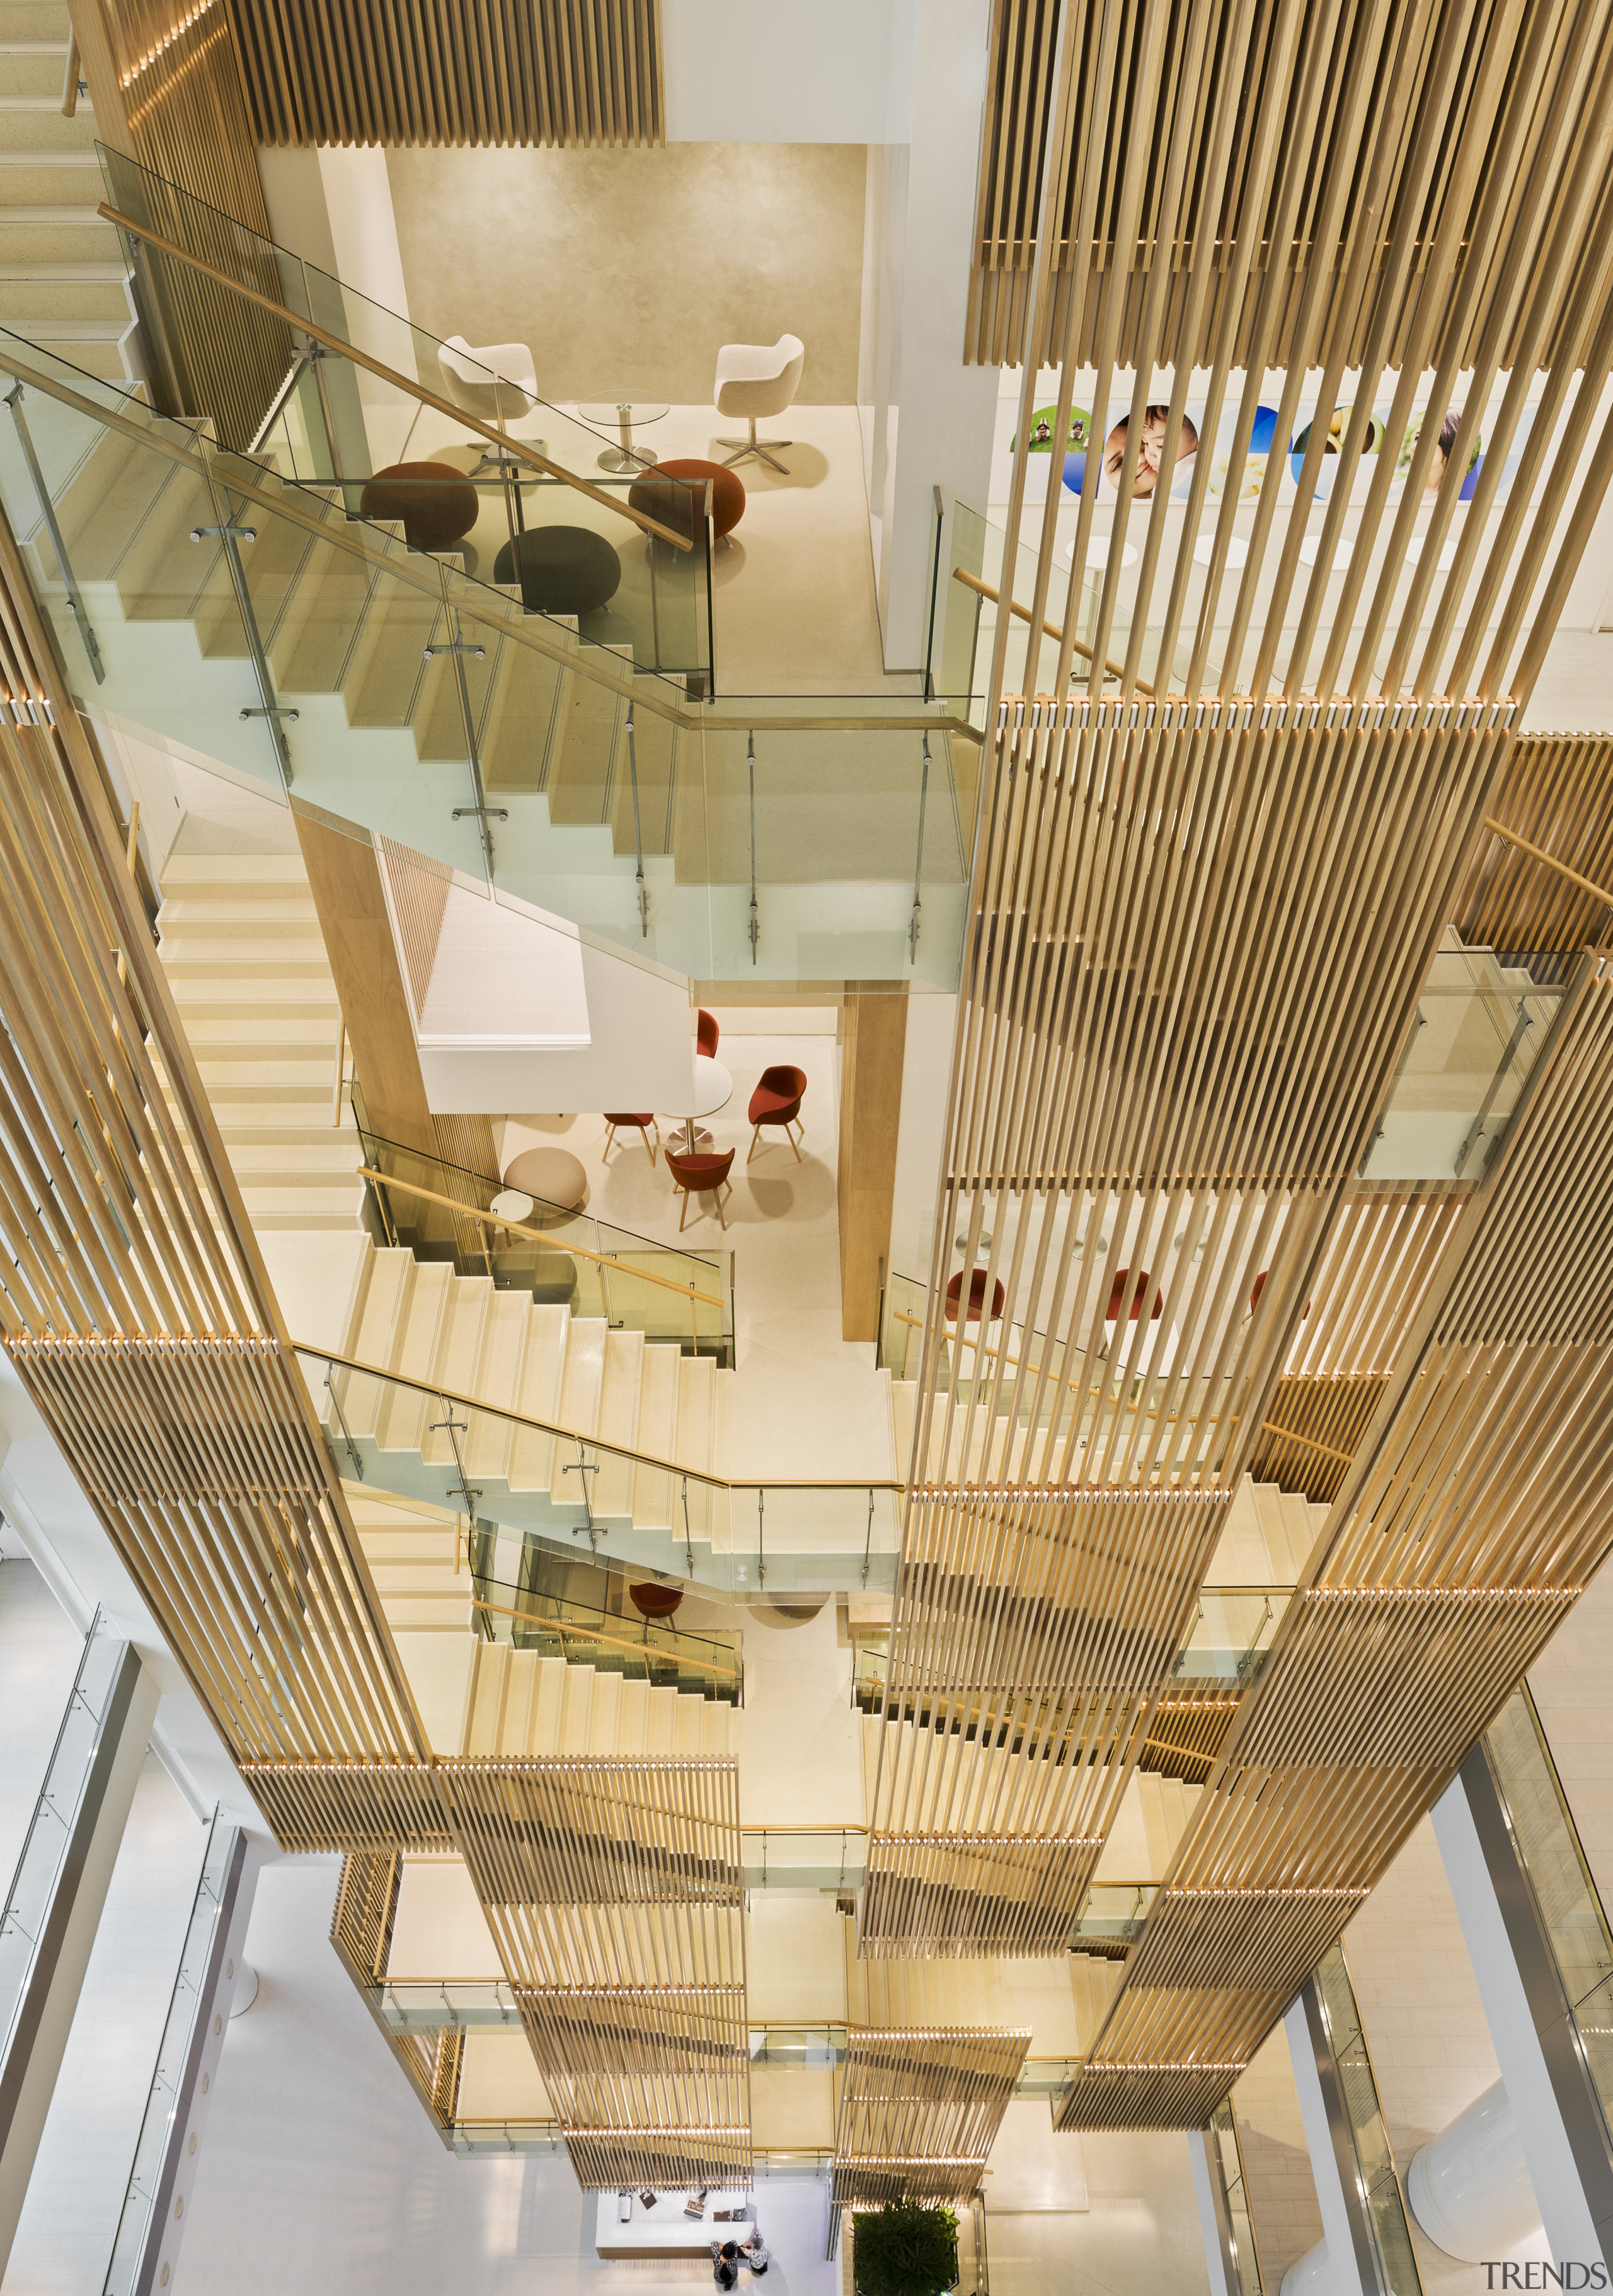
(772, 71)
(926, 1071)
(928, 418)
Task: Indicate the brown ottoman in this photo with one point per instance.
(554, 1180)
(681, 507)
(435, 502)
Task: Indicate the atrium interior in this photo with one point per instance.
(806, 1192)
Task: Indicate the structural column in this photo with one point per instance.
(60, 1914)
(874, 1037)
(1557, 2120)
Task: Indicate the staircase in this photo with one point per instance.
(62, 277)
(422, 1323)
(241, 948)
(1267, 1539)
(519, 1703)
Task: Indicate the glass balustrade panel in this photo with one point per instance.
(1379, 2181)
(1480, 1024)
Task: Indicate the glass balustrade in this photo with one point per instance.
(332, 421)
(802, 1857)
(1570, 1905)
(440, 1211)
(215, 608)
(1229, 2159)
(751, 1540)
(641, 1650)
(1114, 1914)
(163, 2098)
(38, 1870)
(1377, 2179)
(1480, 1024)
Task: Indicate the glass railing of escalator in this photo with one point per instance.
(827, 1858)
(440, 1211)
(334, 407)
(1377, 2177)
(641, 1650)
(223, 615)
(1568, 1902)
(1229, 2159)
(751, 1540)
(1113, 1915)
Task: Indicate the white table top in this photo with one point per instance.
(665, 2227)
(511, 1204)
(713, 1089)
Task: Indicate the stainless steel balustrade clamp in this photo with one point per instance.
(276, 712)
(755, 921)
(479, 652)
(47, 510)
(638, 840)
(918, 867)
(584, 1467)
(231, 534)
(241, 533)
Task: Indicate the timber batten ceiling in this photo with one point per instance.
(571, 72)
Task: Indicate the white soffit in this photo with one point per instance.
(504, 979)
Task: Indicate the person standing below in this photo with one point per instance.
(755, 2252)
(724, 2263)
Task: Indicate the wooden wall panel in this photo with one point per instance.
(571, 72)
(873, 1041)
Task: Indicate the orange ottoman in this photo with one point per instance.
(681, 507)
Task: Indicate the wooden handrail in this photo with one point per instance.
(69, 76)
(584, 1435)
(516, 1227)
(593, 1635)
(339, 343)
(973, 582)
(1547, 861)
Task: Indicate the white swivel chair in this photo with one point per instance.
(758, 378)
(499, 380)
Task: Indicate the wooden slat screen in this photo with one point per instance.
(1372, 174)
(1452, 1553)
(571, 72)
(1557, 794)
(919, 2111)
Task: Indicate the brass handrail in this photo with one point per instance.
(584, 1435)
(973, 582)
(592, 1634)
(427, 398)
(539, 1235)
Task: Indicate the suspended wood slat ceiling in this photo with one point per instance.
(569, 72)
(919, 2111)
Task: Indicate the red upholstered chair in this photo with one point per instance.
(1125, 1282)
(700, 1176)
(706, 1034)
(777, 1100)
(977, 1297)
(639, 1124)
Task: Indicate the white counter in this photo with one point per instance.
(664, 2232)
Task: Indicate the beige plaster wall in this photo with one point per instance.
(627, 271)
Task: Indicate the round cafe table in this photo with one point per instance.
(623, 413)
(713, 1089)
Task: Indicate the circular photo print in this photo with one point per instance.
(1153, 454)
(1439, 460)
(1042, 431)
(1333, 447)
(1263, 439)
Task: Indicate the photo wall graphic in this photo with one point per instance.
(1160, 461)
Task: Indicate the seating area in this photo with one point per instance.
(698, 1167)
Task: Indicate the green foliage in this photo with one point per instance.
(908, 2249)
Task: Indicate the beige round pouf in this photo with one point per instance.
(553, 1178)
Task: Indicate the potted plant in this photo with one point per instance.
(908, 2248)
